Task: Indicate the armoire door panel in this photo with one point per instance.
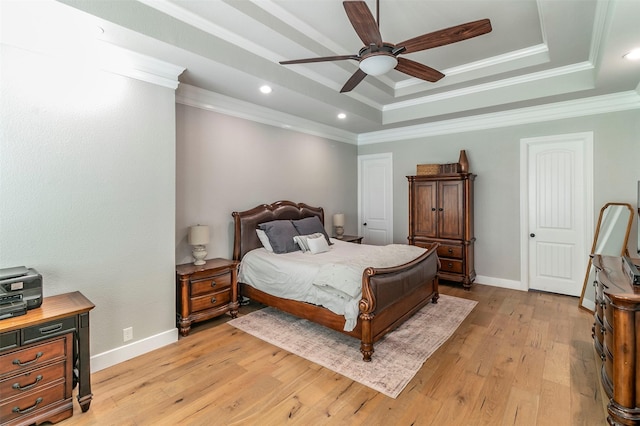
(450, 210)
(426, 199)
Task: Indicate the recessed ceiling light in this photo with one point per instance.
(634, 55)
(265, 89)
(342, 116)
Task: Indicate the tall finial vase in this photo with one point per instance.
(463, 161)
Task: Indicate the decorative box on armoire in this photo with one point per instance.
(441, 211)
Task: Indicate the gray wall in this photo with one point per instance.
(227, 164)
(87, 183)
(494, 155)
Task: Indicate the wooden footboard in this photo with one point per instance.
(392, 295)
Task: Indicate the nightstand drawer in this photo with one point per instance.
(33, 379)
(210, 284)
(445, 250)
(448, 265)
(210, 301)
(32, 356)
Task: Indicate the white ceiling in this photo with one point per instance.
(539, 52)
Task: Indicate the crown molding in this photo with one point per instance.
(210, 101)
(207, 100)
(555, 111)
(125, 62)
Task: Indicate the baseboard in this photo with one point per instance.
(132, 350)
(500, 282)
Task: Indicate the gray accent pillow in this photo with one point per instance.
(280, 233)
(310, 225)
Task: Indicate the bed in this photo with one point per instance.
(389, 295)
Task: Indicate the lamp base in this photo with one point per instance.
(339, 232)
(199, 253)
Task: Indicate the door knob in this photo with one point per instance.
(364, 224)
(532, 235)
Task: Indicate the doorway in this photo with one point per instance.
(375, 198)
(556, 212)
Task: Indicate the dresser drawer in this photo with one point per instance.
(48, 330)
(210, 301)
(33, 379)
(450, 251)
(449, 265)
(210, 284)
(32, 356)
(9, 340)
(32, 401)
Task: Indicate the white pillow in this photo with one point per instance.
(301, 240)
(318, 244)
(264, 240)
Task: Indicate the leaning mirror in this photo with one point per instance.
(610, 238)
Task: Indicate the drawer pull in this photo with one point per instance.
(603, 357)
(51, 329)
(22, 364)
(19, 387)
(26, 410)
(213, 300)
(450, 251)
(213, 283)
(450, 265)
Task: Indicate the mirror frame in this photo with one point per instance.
(623, 250)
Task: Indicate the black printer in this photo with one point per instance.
(20, 290)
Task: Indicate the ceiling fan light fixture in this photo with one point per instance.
(378, 64)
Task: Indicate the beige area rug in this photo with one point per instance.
(397, 357)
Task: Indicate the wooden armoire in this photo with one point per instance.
(441, 210)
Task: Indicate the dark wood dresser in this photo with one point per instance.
(441, 211)
(43, 354)
(616, 337)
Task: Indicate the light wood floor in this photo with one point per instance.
(518, 359)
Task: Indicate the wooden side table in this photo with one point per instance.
(350, 239)
(205, 291)
(43, 354)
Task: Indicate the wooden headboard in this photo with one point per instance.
(245, 223)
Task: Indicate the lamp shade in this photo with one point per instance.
(198, 235)
(338, 219)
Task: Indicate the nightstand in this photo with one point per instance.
(205, 291)
(350, 239)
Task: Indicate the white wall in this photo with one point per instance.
(494, 155)
(227, 164)
(87, 183)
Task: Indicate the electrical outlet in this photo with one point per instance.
(127, 334)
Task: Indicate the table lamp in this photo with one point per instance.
(198, 237)
(338, 224)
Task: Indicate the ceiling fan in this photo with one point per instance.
(378, 57)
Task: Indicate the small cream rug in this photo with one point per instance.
(397, 357)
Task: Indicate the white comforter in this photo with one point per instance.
(331, 279)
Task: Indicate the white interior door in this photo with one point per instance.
(375, 195)
(558, 175)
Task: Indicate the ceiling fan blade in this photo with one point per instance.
(355, 79)
(321, 59)
(417, 70)
(363, 22)
(447, 36)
